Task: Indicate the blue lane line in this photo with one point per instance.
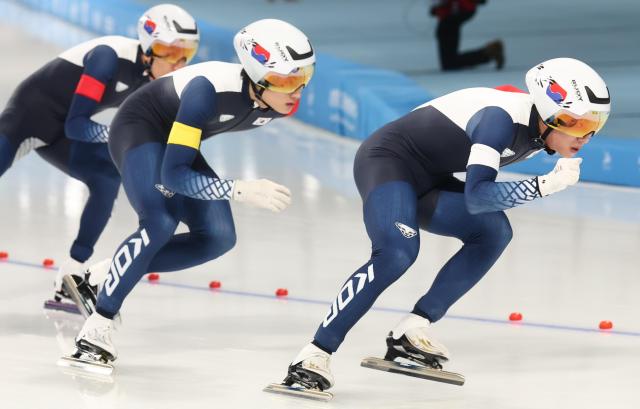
(27, 264)
(382, 309)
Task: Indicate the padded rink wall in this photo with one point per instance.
(346, 98)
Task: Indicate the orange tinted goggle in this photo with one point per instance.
(287, 83)
(578, 126)
(176, 51)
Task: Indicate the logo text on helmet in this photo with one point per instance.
(282, 53)
(576, 89)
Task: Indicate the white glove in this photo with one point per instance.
(565, 173)
(262, 193)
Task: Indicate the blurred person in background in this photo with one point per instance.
(451, 15)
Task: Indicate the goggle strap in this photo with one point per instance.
(147, 65)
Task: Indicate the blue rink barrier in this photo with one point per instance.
(605, 160)
(346, 98)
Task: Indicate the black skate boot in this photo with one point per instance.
(81, 292)
(414, 354)
(403, 348)
(297, 374)
(62, 300)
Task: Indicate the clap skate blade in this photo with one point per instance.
(414, 370)
(71, 288)
(61, 306)
(97, 367)
(298, 391)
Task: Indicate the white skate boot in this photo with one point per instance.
(412, 351)
(94, 348)
(308, 376)
(62, 300)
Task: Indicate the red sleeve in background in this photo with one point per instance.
(510, 88)
(90, 88)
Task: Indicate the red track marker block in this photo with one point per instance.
(154, 277)
(606, 325)
(4, 255)
(515, 316)
(215, 284)
(282, 292)
(48, 262)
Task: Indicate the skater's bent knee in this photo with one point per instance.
(395, 260)
(221, 243)
(225, 241)
(501, 232)
(495, 229)
(105, 186)
(160, 227)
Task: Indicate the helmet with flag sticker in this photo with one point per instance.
(275, 55)
(569, 96)
(168, 32)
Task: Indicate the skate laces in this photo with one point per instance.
(421, 339)
(317, 361)
(100, 334)
(99, 330)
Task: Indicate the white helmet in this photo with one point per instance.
(167, 31)
(569, 96)
(275, 55)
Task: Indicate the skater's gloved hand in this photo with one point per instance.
(565, 173)
(262, 193)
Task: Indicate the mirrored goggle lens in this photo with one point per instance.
(582, 126)
(287, 83)
(176, 51)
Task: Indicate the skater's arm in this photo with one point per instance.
(491, 136)
(100, 66)
(197, 106)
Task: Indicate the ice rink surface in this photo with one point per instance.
(572, 263)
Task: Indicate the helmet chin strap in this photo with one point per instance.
(258, 91)
(147, 65)
(542, 140)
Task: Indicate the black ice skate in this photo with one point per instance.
(61, 302)
(303, 384)
(89, 360)
(404, 357)
(308, 377)
(81, 292)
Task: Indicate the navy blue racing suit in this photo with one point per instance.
(51, 111)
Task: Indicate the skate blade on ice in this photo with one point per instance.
(298, 391)
(83, 305)
(417, 371)
(89, 378)
(61, 306)
(93, 367)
